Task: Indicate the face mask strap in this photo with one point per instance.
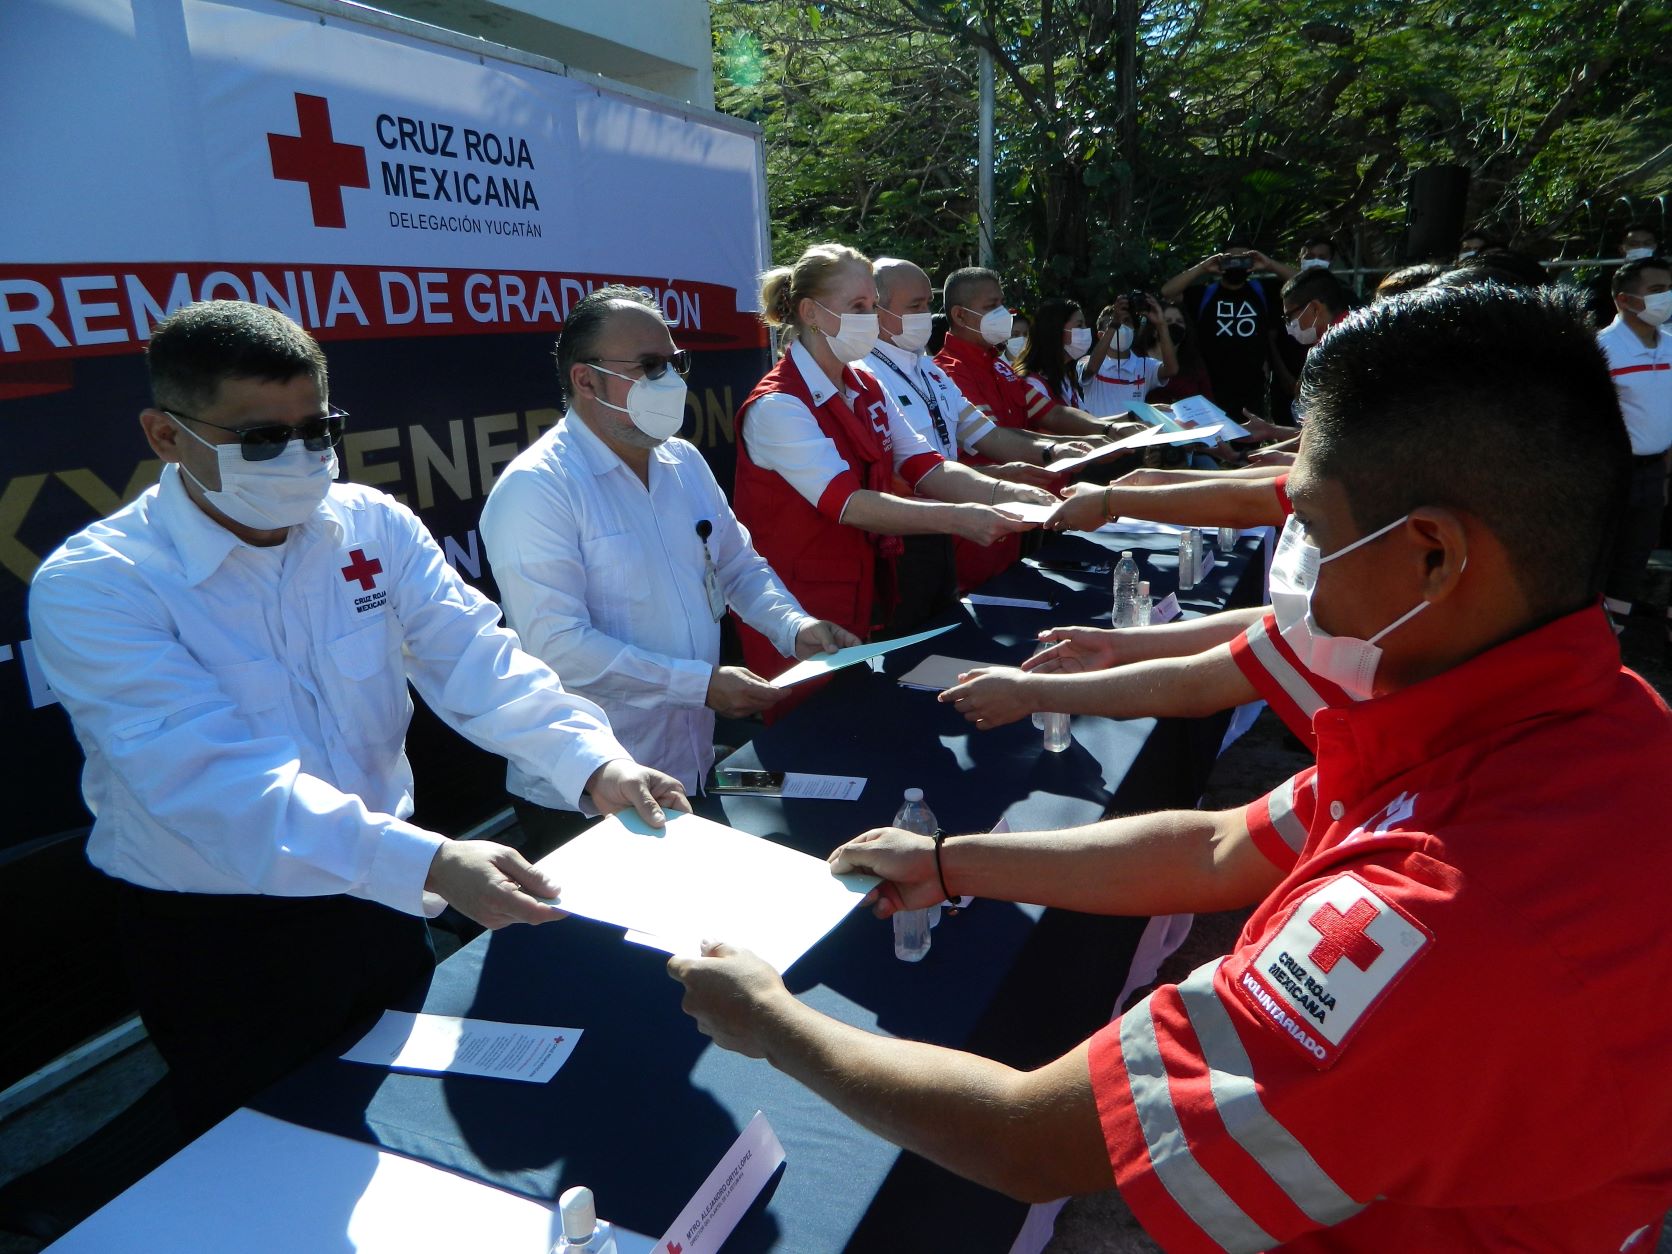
(1364, 540)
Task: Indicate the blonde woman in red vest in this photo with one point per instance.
(818, 445)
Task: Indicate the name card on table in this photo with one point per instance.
(1166, 609)
(710, 1215)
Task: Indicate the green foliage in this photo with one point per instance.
(1274, 120)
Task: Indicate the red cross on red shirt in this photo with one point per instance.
(314, 157)
(366, 570)
(1343, 936)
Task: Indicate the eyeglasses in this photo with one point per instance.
(655, 365)
(267, 441)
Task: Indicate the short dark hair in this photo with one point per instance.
(1497, 265)
(578, 341)
(1634, 228)
(1315, 284)
(1488, 239)
(1512, 417)
(1625, 278)
(196, 348)
(956, 289)
(1318, 241)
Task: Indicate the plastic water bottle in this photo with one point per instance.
(1146, 604)
(1126, 589)
(911, 927)
(583, 1231)
(1227, 540)
(1187, 561)
(1056, 733)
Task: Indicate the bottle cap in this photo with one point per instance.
(914, 794)
(1126, 552)
(1143, 587)
(580, 1213)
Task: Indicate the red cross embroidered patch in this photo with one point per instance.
(1332, 958)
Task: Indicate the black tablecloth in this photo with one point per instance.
(645, 1106)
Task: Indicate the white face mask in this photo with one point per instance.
(1079, 343)
(1346, 661)
(281, 492)
(655, 406)
(1123, 339)
(996, 324)
(1015, 344)
(914, 331)
(1656, 307)
(856, 336)
(1304, 336)
(1314, 263)
(1632, 254)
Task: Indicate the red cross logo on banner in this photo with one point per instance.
(1343, 936)
(363, 569)
(674, 1247)
(313, 156)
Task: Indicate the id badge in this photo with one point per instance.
(711, 587)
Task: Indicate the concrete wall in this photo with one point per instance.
(659, 45)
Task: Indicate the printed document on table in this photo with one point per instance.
(824, 663)
(696, 880)
(447, 1043)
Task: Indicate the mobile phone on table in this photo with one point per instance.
(736, 779)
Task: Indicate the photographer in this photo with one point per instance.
(1236, 322)
(1115, 373)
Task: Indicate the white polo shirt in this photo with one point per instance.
(1643, 378)
(1119, 382)
(244, 710)
(783, 435)
(928, 399)
(602, 578)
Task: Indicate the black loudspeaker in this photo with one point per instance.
(1434, 212)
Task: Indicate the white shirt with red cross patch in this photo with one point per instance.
(244, 710)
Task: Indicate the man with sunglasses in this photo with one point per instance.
(617, 555)
(234, 649)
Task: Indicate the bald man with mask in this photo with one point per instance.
(954, 427)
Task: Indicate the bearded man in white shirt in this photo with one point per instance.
(617, 555)
(233, 649)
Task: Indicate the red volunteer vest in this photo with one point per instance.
(831, 568)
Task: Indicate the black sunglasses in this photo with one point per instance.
(655, 365)
(263, 443)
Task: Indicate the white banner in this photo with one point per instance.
(360, 179)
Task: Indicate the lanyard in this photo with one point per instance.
(928, 399)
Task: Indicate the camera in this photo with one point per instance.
(1137, 302)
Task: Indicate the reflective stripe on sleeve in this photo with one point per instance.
(1291, 681)
(1197, 1193)
(1236, 1098)
(1280, 807)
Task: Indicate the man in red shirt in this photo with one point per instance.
(1441, 1028)
(973, 358)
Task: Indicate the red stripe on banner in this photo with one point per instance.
(1658, 365)
(92, 309)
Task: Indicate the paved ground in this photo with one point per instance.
(1264, 757)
